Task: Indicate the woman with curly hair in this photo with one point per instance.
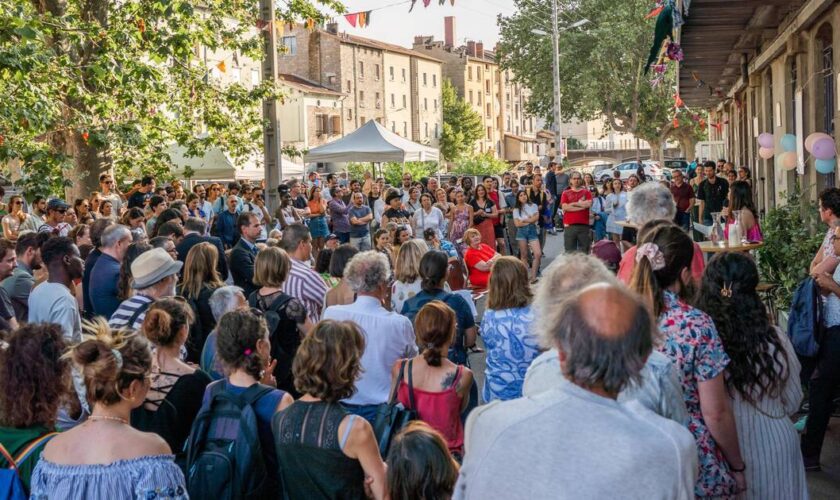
(105, 457)
(762, 378)
(320, 446)
(34, 381)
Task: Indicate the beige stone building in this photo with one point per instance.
(311, 115)
(774, 69)
(381, 81)
(478, 79)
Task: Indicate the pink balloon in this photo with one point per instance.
(788, 160)
(824, 149)
(765, 153)
(765, 140)
(811, 139)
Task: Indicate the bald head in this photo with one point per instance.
(598, 304)
(605, 334)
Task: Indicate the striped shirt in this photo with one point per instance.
(129, 308)
(307, 286)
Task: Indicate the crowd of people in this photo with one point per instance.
(134, 322)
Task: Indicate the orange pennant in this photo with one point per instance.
(221, 66)
(655, 12)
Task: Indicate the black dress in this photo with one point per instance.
(204, 322)
(309, 456)
(173, 418)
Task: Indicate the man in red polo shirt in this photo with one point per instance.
(683, 195)
(576, 202)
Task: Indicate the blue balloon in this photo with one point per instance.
(826, 166)
(789, 142)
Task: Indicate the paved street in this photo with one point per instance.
(823, 485)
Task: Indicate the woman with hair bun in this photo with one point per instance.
(34, 382)
(177, 388)
(244, 350)
(105, 458)
(432, 385)
(419, 465)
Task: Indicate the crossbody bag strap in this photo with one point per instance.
(8, 457)
(393, 397)
(411, 386)
(32, 446)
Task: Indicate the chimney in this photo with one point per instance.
(471, 48)
(449, 31)
(332, 27)
(479, 50)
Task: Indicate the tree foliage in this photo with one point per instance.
(91, 85)
(462, 126)
(392, 171)
(481, 164)
(601, 65)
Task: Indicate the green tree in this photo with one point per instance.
(462, 126)
(90, 85)
(392, 171)
(601, 65)
(482, 164)
(573, 143)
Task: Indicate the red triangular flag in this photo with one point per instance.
(676, 122)
(351, 18)
(426, 3)
(261, 24)
(655, 12)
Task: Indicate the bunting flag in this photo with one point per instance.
(351, 18)
(261, 25)
(221, 66)
(426, 3)
(362, 19)
(678, 102)
(655, 12)
(310, 24)
(676, 122)
(280, 28)
(412, 5)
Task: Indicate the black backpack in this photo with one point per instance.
(284, 335)
(224, 455)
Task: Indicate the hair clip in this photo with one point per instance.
(248, 352)
(726, 291)
(118, 357)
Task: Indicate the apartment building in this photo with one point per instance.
(311, 114)
(479, 80)
(381, 81)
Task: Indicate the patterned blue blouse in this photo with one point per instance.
(510, 349)
(144, 478)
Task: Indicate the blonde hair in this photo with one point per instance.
(200, 269)
(508, 287)
(468, 235)
(271, 267)
(407, 265)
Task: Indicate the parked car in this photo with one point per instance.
(653, 171)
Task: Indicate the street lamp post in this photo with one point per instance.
(555, 46)
(272, 145)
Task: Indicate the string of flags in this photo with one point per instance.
(361, 19)
(358, 19)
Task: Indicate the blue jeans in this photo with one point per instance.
(367, 412)
(683, 219)
(527, 233)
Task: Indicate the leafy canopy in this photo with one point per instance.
(462, 126)
(94, 84)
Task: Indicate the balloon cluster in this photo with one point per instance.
(821, 146)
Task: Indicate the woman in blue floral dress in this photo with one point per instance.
(690, 340)
(506, 330)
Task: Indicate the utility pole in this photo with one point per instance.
(273, 156)
(555, 44)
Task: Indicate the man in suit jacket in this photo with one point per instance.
(195, 232)
(245, 252)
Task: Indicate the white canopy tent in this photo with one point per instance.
(215, 164)
(371, 143)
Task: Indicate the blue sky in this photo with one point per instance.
(475, 20)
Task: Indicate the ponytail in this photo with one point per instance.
(664, 250)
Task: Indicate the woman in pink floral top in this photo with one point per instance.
(663, 262)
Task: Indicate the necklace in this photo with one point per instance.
(108, 417)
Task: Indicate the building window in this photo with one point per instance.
(349, 114)
(426, 130)
(361, 70)
(378, 101)
(361, 98)
(393, 101)
(471, 96)
(255, 77)
(434, 80)
(478, 101)
(425, 104)
(405, 129)
(489, 133)
(403, 75)
(469, 73)
(478, 73)
(363, 120)
(376, 71)
(405, 103)
(436, 104)
(437, 130)
(288, 46)
(394, 127)
(349, 85)
(391, 73)
(424, 80)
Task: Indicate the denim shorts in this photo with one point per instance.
(527, 233)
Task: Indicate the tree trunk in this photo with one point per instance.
(88, 163)
(687, 145)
